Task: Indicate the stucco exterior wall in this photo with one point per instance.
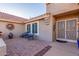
(56, 8)
(18, 30)
(45, 31)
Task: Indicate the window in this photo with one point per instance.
(28, 28)
(34, 28)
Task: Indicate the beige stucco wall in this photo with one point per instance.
(19, 29)
(45, 30)
(56, 8)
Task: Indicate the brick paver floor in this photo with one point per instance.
(63, 49)
(24, 47)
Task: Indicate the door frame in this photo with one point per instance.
(69, 40)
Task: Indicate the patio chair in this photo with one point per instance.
(30, 36)
(33, 36)
(27, 35)
(24, 35)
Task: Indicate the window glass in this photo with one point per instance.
(61, 29)
(71, 29)
(34, 28)
(28, 28)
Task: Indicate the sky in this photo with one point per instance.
(25, 10)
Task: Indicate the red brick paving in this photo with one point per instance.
(24, 47)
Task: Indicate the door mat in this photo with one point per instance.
(43, 51)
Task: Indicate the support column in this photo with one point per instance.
(53, 27)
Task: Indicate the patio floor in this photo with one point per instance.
(24, 47)
(63, 49)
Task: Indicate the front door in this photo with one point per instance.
(66, 30)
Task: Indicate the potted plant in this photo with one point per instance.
(10, 36)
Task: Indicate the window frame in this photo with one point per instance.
(31, 27)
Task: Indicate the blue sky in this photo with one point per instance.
(26, 10)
